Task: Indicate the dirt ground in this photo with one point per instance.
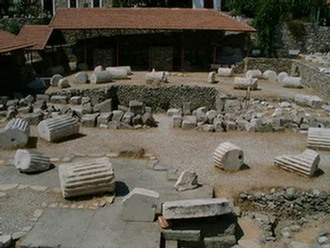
(194, 149)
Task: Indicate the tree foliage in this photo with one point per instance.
(267, 14)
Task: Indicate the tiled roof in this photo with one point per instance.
(37, 33)
(10, 42)
(145, 18)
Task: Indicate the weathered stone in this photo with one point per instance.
(241, 83)
(281, 76)
(137, 120)
(29, 98)
(15, 134)
(63, 83)
(304, 164)
(228, 157)
(223, 242)
(186, 109)
(31, 160)
(126, 68)
(211, 115)
(270, 75)
(100, 77)
(177, 121)
(127, 118)
(253, 74)
(188, 180)
(42, 97)
(156, 77)
(117, 73)
(5, 241)
(201, 114)
(86, 177)
(182, 235)
(147, 119)
(208, 128)
(131, 151)
(308, 100)
(80, 77)
(319, 138)
(211, 78)
(59, 99)
(292, 82)
(57, 128)
(13, 103)
(140, 205)
(225, 72)
(104, 119)
(219, 125)
(174, 111)
(89, 120)
(117, 115)
(98, 68)
(87, 108)
(105, 106)
(33, 118)
(136, 107)
(75, 100)
(196, 208)
(189, 122)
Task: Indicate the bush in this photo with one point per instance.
(296, 28)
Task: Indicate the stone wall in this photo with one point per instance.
(158, 98)
(263, 64)
(314, 39)
(311, 77)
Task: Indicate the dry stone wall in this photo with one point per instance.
(263, 64)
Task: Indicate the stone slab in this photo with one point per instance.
(195, 208)
(183, 235)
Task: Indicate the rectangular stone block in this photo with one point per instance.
(59, 99)
(196, 208)
(183, 235)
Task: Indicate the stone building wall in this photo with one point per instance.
(263, 64)
(311, 77)
(158, 98)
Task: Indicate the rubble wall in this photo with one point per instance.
(311, 77)
(158, 98)
(263, 64)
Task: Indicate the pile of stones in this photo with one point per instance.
(287, 203)
(320, 58)
(33, 111)
(254, 115)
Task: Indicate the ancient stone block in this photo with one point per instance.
(127, 118)
(86, 177)
(75, 100)
(100, 77)
(253, 74)
(55, 79)
(103, 118)
(89, 120)
(105, 106)
(241, 83)
(59, 99)
(63, 83)
(174, 111)
(125, 68)
(228, 156)
(188, 180)
(148, 119)
(270, 75)
(57, 128)
(196, 208)
(42, 97)
(281, 76)
(225, 72)
(186, 109)
(140, 205)
(182, 235)
(223, 242)
(211, 78)
(304, 164)
(15, 134)
(31, 161)
(308, 100)
(177, 121)
(156, 77)
(319, 138)
(131, 151)
(32, 118)
(136, 107)
(292, 82)
(189, 122)
(117, 115)
(80, 77)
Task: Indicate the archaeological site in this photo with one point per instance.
(162, 126)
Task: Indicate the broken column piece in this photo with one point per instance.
(225, 72)
(156, 77)
(125, 68)
(253, 74)
(319, 138)
(57, 128)
(117, 73)
(140, 205)
(100, 77)
(304, 164)
(15, 134)
(31, 160)
(292, 82)
(245, 83)
(188, 180)
(228, 156)
(86, 177)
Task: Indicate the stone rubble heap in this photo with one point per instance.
(253, 116)
(287, 203)
(319, 58)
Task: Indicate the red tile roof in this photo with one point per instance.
(37, 33)
(145, 18)
(10, 42)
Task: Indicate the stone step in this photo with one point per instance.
(304, 164)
